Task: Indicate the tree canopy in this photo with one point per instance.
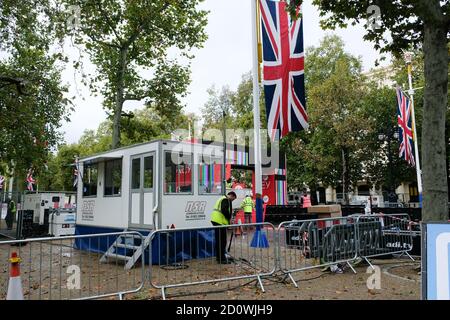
(129, 42)
(33, 101)
(410, 24)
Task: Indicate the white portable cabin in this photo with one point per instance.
(154, 185)
(39, 202)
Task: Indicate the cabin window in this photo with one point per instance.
(136, 173)
(90, 175)
(113, 177)
(177, 172)
(148, 172)
(210, 176)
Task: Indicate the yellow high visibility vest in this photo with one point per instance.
(217, 215)
(12, 207)
(247, 205)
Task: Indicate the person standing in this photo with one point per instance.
(306, 200)
(248, 205)
(221, 216)
(11, 213)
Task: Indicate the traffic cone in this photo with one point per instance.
(15, 291)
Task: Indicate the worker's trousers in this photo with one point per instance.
(220, 242)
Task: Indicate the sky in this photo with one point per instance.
(225, 57)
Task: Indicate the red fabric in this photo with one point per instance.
(183, 178)
(268, 189)
(217, 174)
(227, 171)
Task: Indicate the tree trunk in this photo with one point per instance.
(344, 176)
(435, 189)
(119, 97)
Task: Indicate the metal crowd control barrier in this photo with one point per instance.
(11, 224)
(70, 268)
(184, 257)
(307, 244)
(381, 235)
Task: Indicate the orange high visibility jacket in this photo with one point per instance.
(306, 201)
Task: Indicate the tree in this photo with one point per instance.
(129, 41)
(381, 109)
(144, 125)
(219, 102)
(423, 24)
(32, 99)
(329, 152)
(238, 106)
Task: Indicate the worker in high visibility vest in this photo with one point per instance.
(248, 205)
(10, 213)
(221, 215)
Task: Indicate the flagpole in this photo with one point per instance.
(256, 111)
(408, 58)
(256, 117)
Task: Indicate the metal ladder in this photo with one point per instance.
(120, 242)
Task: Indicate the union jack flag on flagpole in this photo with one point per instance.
(406, 138)
(283, 69)
(30, 180)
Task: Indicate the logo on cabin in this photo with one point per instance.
(265, 182)
(195, 210)
(87, 210)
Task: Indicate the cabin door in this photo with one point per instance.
(142, 191)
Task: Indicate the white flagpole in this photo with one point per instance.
(408, 58)
(256, 111)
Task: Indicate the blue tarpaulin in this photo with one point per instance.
(167, 248)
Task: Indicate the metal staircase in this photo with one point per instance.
(130, 253)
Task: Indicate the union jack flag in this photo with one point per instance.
(406, 150)
(30, 180)
(283, 61)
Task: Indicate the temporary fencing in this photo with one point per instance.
(70, 267)
(186, 257)
(98, 265)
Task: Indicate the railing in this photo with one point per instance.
(381, 235)
(186, 257)
(308, 244)
(70, 268)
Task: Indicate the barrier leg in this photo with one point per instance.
(261, 284)
(163, 293)
(367, 260)
(351, 267)
(409, 256)
(292, 279)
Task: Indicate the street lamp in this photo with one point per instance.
(387, 136)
